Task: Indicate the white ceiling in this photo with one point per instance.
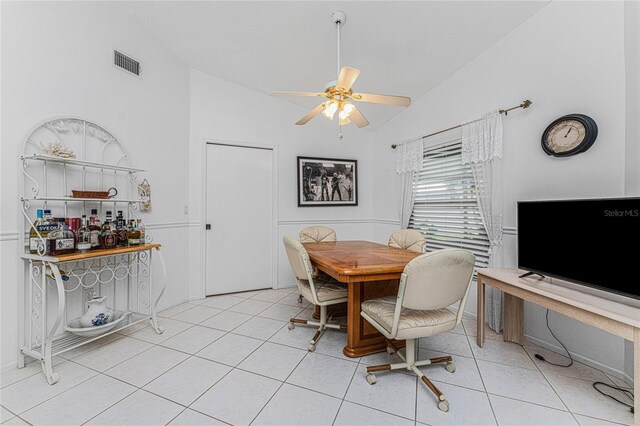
(402, 48)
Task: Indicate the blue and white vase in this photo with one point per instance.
(97, 313)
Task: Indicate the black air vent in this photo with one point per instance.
(126, 63)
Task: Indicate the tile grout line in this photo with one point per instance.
(355, 371)
(550, 385)
(475, 360)
(277, 390)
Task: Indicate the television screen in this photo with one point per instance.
(590, 242)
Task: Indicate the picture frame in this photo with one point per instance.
(324, 182)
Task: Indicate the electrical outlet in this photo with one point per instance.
(186, 210)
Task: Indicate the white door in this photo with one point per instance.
(240, 211)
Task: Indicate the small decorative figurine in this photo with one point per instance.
(144, 190)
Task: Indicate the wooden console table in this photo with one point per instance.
(370, 270)
(613, 317)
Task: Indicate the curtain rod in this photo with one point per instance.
(524, 105)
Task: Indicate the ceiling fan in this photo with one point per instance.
(339, 94)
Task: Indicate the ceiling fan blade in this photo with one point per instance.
(317, 110)
(296, 94)
(382, 99)
(359, 119)
(344, 121)
(347, 77)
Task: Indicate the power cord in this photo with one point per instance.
(541, 358)
(626, 391)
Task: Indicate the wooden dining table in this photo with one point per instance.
(369, 270)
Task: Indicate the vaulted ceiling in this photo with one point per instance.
(402, 48)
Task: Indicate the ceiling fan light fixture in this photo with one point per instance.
(346, 109)
(330, 108)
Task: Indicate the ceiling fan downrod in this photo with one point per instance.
(339, 18)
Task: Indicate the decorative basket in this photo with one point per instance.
(95, 194)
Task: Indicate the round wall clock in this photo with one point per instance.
(569, 135)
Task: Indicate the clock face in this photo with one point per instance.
(569, 135)
(565, 135)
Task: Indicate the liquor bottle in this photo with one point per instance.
(108, 239)
(43, 225)
(83, 237)
(61, 241)
(33, 234)
(96, 228)
(133, 236)
(121, 230)
(140, 227)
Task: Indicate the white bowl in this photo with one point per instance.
(74, 325)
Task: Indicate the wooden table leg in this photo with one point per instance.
(362, 337)
(513, 319)
(480, 313)
(636, 375)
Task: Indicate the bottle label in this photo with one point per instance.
(134, 241)
(47, 227)
(34, 243)
(64, 244)
(109, 240)
(94, 239)
(84, 246)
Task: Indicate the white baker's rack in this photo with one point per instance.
(124, 275)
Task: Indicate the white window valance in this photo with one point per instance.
(482, 138)
(409, 156)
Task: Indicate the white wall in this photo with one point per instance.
(562, 71)
(632, 136)
(55, 61)
(223, 111)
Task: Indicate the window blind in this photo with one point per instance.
(445, 209)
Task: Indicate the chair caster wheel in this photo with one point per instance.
(451, 367)
(390, 350)
(443, 406)
(311, 347)
(300, 299)
(291, 326)
(371, 378)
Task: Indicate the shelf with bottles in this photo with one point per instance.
(68, 262)
(53, 238)
(79, 255)
(81, 163)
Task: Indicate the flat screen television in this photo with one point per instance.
(594, 242)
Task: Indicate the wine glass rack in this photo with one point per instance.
(56, 288)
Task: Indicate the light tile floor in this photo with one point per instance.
(232, 360)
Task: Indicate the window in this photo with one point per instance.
(445, 209)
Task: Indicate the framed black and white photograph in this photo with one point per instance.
(327, 182)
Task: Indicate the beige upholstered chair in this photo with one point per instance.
(428, 286)
(322, 291)
(317, 234)
(409, 239)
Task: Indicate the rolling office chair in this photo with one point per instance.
(322, 290)
(408, 239)
(316, 234)
(429, 285)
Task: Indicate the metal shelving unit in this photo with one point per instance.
(56, 287)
